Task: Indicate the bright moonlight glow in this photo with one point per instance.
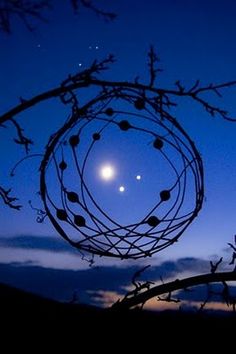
(107, 172)
(121, 189)
(138, 177)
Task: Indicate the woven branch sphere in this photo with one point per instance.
(127, 122)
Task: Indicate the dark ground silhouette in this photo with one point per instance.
(26, 311)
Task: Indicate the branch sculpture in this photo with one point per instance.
(128, 108)
(147, 112)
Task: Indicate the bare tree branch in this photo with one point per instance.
(168, 298)
(21, 138)
(208, 297)
(139, 286)
(214, 266)
(153, 59)
(177, 284)
(27, 11)
(108, 16)
(234, 251)
(24, 10)
(87, 78)
(8, 200)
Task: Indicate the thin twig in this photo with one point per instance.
(8, 200)
(214, 266)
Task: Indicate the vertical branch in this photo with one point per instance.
(234, 251)
(214, 266)
(152, 60)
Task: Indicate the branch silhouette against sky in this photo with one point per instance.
(29, 12)
(70, 103)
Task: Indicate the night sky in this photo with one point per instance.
(195, 40)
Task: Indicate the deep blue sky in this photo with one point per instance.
(194, 39)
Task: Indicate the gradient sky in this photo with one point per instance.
(194, 40)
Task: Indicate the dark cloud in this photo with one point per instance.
(191, 264)
(48, 243)
(58, 244)
(61, 284)
(201, 292)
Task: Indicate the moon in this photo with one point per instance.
(121, 189)
(107, 172)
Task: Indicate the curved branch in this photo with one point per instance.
(56, 92)
(177, 284)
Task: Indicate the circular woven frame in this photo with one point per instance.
(92, 229)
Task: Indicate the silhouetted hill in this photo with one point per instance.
(16, 303)
(24, 310)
